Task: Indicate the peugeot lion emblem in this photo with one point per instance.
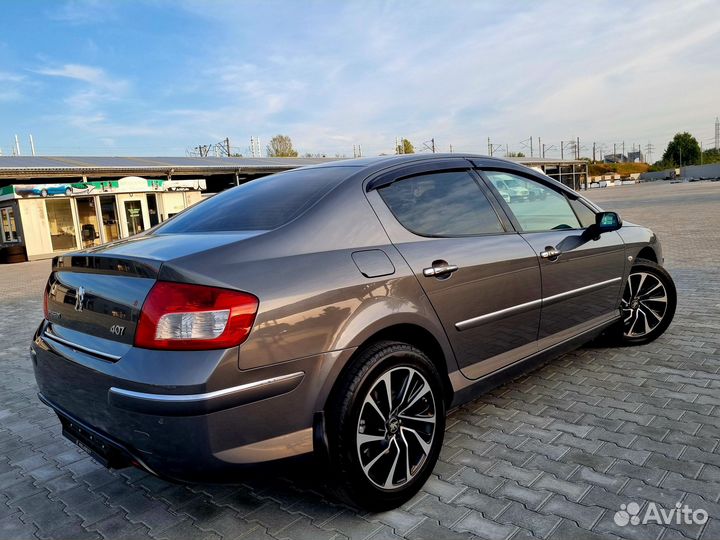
(79, 298)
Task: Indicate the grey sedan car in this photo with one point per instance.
(340, 309)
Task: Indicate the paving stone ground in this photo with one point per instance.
(553, 454)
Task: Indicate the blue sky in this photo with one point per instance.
(157, 77)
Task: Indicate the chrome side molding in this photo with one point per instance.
(526, 306)
(495, 315)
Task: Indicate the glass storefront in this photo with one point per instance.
(87, 216)
(45, 220)
(62, 226)
(108, 211)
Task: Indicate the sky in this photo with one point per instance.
(95, 77)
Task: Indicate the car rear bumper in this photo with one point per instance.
(206, 402)
(186, 433)
(101, 447)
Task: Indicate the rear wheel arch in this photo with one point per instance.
(411, 334)
(354, 418)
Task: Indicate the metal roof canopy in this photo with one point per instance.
(27, 167)
(63, 166)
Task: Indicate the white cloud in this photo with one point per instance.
(6, 77)
(83, 11)
(11, 86)
(94, 76)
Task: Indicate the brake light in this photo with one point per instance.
(46, 310)
(180, 316)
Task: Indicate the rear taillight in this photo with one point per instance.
(46, 311)
(180, 316)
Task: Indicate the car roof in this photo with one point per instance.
(396, 159)
(367, 166)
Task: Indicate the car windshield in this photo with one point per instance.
(263, 204)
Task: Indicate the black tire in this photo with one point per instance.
(43, 193)
(68, 192)
(350, 417)
(636, 312)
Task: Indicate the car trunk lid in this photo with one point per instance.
(95, 297)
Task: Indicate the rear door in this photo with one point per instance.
(581, 278)
(481, 277)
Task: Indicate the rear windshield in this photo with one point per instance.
(263, 204)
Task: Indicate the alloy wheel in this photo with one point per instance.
(644, 304)
(396, 427)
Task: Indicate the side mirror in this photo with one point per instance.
(604, 222)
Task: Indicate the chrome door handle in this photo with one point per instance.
(550, 253)
(435, 271)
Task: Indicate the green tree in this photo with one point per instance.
(405, 147)
(515, 154)
(281, 146)
(682, 150)
(711, 156)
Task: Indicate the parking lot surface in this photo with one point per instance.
(553, 454)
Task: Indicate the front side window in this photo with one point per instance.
(584, 213)
(536, 206)
(7, 225)
(441, 204)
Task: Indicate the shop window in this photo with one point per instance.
(62, 226)
(7, 225)
(87, 215)
(108, 211)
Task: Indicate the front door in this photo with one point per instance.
(581, 277)
(482, 279)
(153, 209)
(134, 217)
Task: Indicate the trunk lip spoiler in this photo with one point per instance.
(107, 264)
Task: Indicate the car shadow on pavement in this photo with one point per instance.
(290, 485)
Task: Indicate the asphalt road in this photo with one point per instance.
(553, 454)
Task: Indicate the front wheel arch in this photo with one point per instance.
(648, 254)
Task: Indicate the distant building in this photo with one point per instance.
(615, 158)
(631, 157)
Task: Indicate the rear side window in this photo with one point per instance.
(441, 204)
(263, 204)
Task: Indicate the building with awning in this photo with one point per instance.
(50, 205)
